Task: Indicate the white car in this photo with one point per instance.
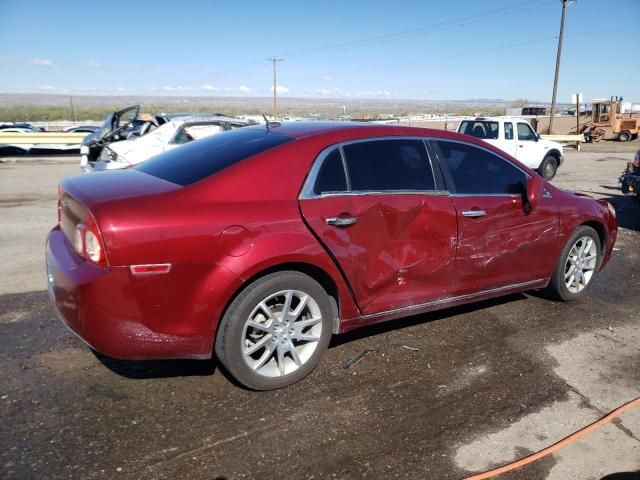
(516, 137)
(135, 150)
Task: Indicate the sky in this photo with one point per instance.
(407, 49)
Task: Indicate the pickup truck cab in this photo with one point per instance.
(516, 137)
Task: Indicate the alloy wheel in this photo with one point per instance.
(581, 264)
(281, 333)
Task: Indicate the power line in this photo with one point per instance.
(400, 35)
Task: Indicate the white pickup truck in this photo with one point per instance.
(516, 137)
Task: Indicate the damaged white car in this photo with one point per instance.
(135, 150)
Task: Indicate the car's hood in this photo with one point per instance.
(551, 144)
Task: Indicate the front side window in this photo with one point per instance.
(525, 132)
(386, 165)
(331, 177)
(479, 129)
(508, 131)
(475, 171)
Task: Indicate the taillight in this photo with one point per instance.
(87, 242)
(78, 239)
(92, 247)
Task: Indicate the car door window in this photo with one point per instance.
(525, 132)
(331, 177)
(476, 171)
(388, 165)
(508, 131)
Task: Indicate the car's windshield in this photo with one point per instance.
(201, 158)
(480, 129)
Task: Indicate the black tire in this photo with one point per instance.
(231, 331)
(557, 287)
(624, 136)
(549, 167)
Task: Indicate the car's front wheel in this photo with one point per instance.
(275, 331)
(579, 261)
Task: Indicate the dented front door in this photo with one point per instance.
(396, 249)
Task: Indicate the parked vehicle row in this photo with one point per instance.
(117, 150)
(259, 244)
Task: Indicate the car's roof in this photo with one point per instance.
(307, 129)
(495, 119)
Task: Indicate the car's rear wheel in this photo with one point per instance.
(578, 264)
(549, 167)
(275, 331)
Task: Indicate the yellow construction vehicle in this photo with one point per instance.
(607, 123)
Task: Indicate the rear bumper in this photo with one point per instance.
(128, 317)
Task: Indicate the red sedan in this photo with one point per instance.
(261, 243)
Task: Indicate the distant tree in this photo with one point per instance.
(520, 102)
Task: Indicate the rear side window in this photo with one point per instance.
(382, 165)
(479, 129)
(508, 131)
(197, 160)
(331, 177)
(475, 171)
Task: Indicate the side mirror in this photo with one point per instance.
(535, 191)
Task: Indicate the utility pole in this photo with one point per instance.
(274, 61)
(558, 55)
(73, 113)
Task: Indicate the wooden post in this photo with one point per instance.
(577, 119)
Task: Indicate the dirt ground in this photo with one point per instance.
(440, 395)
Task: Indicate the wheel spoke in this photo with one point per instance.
(294, 354)
(280, 358)
(258, 326)
(302, 324)
(266, 356)
(570, 272)
(265, 308)
(301, 337)
(299, 308)
(258, 345)
(287, 304)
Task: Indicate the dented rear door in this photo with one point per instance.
(393, 237)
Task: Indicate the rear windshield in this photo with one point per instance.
(480, 129)
(196, 160)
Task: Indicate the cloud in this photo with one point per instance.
(40, 62)
(210, 88)
(93, 64)
(280, 89)
(179, 88)
(328, 78)
(244, 89)
(120, 89)
(47, 88)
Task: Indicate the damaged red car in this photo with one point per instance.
(259, 244)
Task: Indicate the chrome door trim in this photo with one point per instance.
(445, 301)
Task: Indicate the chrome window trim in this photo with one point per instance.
(307, 191)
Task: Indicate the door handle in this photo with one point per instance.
(474, 213)
(341, 221)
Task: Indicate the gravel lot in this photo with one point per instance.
(480, 385)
